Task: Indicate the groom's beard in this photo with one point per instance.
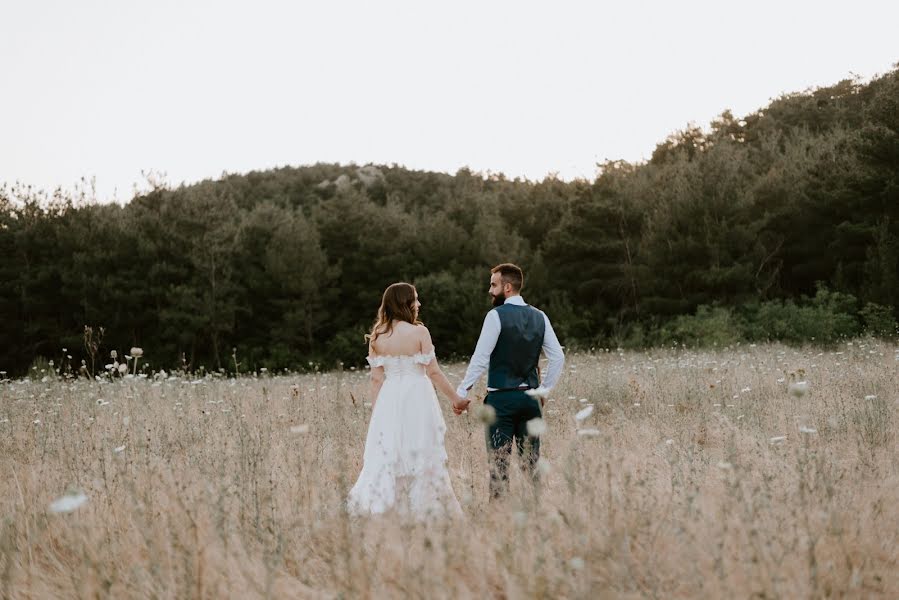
(498, 300)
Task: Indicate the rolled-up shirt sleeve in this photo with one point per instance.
(555, 357)
(480, 360)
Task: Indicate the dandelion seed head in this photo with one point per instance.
(536, 427)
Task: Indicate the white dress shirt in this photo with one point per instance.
(480, 360)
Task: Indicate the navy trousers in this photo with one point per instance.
(513, 410)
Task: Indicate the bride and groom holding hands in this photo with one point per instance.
(404, 462)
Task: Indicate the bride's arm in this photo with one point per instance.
(376, 380)
(436, 373)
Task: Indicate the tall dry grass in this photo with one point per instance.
(688, 490)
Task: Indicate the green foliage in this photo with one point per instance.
(710, 326)
(723, 235)
(826, 318)
(879, 320)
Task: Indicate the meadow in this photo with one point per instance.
(746, 472)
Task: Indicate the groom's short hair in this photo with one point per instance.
(511, 274)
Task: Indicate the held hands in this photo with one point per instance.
(460, 405)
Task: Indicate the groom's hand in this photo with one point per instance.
(460, 405)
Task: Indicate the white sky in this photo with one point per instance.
(195, 88)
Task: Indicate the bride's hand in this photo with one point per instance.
(460, 405)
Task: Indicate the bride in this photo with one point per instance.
(404, 464)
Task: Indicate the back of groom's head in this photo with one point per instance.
(510, 274)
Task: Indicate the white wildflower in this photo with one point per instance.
(777, 439)
(543, 466)
(68, 503)
(118, 449)
(591, 432)
(799, 389)
(725, 465)
(540, 392)
(486, 414)
(806, 429)
(870, 397)
(584, 413)
(123, 369)
(299, 429)
(536, 427)
(576, 563)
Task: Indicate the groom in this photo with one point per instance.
(509, 348)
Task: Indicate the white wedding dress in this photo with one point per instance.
(404, 468)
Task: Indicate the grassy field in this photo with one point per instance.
(709, 474)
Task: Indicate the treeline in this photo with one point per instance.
(783, 224)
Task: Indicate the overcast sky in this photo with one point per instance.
(195, 88)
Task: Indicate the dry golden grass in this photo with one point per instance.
(683, 493)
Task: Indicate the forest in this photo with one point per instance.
(779, 225)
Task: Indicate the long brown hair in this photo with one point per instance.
(397, 304)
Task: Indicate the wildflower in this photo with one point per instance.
(137, 352)
(582, 400)
(870, 397)
(540, 392)
(745, 390)
(118, 449)
(805, 429)
(543, 466)
(576, 563)
(725, 465)
(68, 503)
(486, 414)
(113, 354)
(777, 439)
(592, 432)
(669, 442)
(799, 389)
(123, 368)
(584, 413)
(299, 429)
(536, 427)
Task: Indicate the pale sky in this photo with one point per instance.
(196, 88)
